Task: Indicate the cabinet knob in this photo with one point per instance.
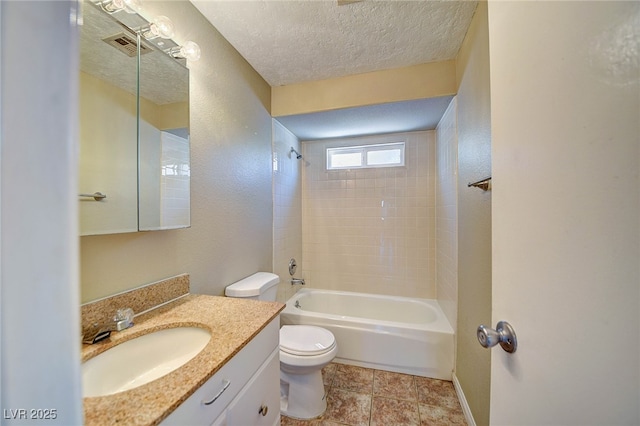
(263, 410)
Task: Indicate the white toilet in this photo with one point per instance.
(304, 350)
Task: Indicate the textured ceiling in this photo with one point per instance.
(306, 40)
(296, 41)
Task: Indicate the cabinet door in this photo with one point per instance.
(259, 401)
(229, 381)
(220, 421)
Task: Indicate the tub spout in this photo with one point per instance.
(295, 281)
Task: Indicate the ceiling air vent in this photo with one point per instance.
(126, 43)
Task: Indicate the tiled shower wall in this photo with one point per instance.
(175, 181)
(447, 213)
(371, 230)
(287, 208)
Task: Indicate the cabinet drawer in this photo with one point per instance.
(258, 404)
(227, 382)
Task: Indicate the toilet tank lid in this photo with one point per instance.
(253, 285)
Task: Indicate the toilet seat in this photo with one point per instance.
(306, 340)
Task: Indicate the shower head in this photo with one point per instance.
(298, 155)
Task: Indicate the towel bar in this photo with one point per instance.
(98, 196)
(483, 184)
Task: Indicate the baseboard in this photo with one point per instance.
(463, 402)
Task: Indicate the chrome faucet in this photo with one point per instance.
(297, 281)
(99, 331)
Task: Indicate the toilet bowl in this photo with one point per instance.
(304, 351)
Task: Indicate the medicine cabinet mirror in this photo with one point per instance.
(134, 128)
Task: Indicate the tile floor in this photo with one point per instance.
(359, 396)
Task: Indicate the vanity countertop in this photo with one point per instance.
(232, 323)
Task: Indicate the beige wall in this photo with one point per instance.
(108, 157)
(429, 80)
(474, 216)
(97, 90)
(371, 230)
(173, 116)
(231, 217)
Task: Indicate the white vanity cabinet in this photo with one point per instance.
(245, 391)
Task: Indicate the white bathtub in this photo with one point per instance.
(399, 334)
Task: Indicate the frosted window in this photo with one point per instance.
(384, 157)
(349, 159)
(359, 157)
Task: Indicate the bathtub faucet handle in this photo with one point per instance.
(295, 281)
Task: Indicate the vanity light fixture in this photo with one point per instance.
(160, 27)
(189, 51)
(113, 6)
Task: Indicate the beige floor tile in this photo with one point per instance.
(396, 412)
(394, 385)
(351, 408)
(287, 421)
(352, 378)
(437, 393)
(440, 416)
(358, 396)
(328, 373)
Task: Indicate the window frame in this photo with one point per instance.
(364, 150)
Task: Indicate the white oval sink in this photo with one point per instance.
(141, 360)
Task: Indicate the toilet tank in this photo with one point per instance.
(259, 286)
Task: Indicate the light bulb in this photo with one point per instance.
(113, 6)
(189, 51)
(160, 27)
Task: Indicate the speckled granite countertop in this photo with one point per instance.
(232, 323)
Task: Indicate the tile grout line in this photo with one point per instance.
(415, 386)
(373, 387)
